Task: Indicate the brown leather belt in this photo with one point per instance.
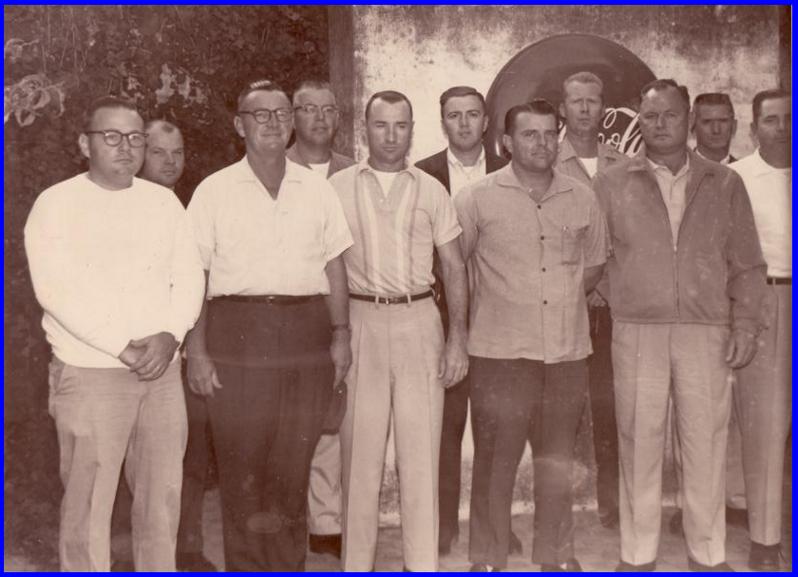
(279, 300)
(405, 299)
(776, 280)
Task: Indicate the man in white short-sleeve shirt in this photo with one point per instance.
(273, 339)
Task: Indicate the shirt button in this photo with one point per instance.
(545, 302)
(542, 237)
(543, 269)
(540, 206)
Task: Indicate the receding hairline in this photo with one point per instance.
(307, 85)
(583, 77)
(161, 125)
(92, 114)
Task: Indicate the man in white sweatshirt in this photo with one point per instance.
(117, 272)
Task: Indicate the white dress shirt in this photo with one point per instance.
(770, 191)
(460, 175)
(253, 244)
(673, 188)
(110, 266)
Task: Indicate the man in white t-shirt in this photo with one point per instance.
(116, 270)
(316, 118)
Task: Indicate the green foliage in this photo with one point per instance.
(182, 63)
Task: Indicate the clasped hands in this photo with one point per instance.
(150, 356)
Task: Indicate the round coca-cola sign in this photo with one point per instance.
(538, 71)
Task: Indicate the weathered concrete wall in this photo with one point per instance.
(422, 50)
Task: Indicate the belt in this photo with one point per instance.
(405, 299)
(776, 280)
(280, 300)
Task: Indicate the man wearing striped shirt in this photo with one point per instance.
(400, 364)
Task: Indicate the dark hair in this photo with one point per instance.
(389, 96)
(105, 102)
(456, 91)
(538, 106)
(663, 84)
(714, 99)
(258, 85)
(760, 97)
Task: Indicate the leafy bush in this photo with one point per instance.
(183, 63)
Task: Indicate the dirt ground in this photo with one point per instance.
(33, 492)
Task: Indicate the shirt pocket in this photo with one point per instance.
(572, 240)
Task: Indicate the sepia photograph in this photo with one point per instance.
(458, 288)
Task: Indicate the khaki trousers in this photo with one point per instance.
(763, 396)
(396, 350)
(324, 491)
(104, 417)
(653, 362)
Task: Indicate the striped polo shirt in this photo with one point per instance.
(393, 233)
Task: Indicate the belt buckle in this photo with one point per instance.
(409, 299)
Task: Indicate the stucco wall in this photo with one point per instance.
(422, 50)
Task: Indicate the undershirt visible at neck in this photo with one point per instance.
(590, 164)
(386, 180)
(322, 168)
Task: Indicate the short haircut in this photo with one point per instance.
(714, 99)
(391, 97)
(105, 102)
(161, 124)
(456, 91)
(583, 77)
(538, 106)
(664, 84)
(760, 97)
(257, 86)
(311, 84)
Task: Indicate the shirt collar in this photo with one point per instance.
(761, 167)
(725, 160)
(658, 167)
(244, 172)
(453, 160)
(364, 166)
(506, 177)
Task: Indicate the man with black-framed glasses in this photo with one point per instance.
(315, 125)
(116, 270)
(272, 340)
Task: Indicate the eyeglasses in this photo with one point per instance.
(135, 139)
(264, 115)
(313, 109)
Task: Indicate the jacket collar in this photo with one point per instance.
(506, 177)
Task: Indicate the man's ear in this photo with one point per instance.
(754, 138)
(83, 143)
(485, 121)
(691, 120)
(507, 141)
(239, 126)
(734, 128)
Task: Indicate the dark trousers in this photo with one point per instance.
(274, 366)
(455, 412)
(602, 407)
(512, 402)
(195, 474)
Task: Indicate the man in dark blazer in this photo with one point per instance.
(464, 161)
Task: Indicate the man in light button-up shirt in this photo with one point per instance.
(534, 240)
(401, 365)
(116, 270)
(273, 338)
(763, 388)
